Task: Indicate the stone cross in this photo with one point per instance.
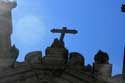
(64, 31)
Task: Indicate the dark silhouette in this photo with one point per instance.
(101, 58)
(57, 43)
(76, 58)
(63, 31)
(123, 8)
(123, 71)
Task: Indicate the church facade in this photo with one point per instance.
(57, 66)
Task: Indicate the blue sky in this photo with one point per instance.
(100, 24)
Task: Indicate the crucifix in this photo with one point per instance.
(64, 31)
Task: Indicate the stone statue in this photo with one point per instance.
(9, 59)
(57, 44)
(13, 55)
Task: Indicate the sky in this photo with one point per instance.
(100, 25)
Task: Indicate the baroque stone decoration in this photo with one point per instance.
(57, 66)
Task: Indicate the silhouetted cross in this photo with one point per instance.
(63, 31)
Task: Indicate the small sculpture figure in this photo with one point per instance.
(57, 44)
(11, 57)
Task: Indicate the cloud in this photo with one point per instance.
(29, 30)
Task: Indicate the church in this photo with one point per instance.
(57, 66)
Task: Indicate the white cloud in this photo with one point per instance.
(29, 30)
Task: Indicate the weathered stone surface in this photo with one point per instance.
(34, 57)
(6, 24)
(76, 59)
(103, 71)
(8, 53)
(56, 53)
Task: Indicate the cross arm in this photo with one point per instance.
(64, 31)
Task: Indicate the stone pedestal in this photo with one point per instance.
(103, 71)
(56, 55)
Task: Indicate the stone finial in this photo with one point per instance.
(34, 57)
(76, 59)
(101, 58)
(102, 69)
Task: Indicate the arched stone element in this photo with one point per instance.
(34, 57)
(76, 59)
